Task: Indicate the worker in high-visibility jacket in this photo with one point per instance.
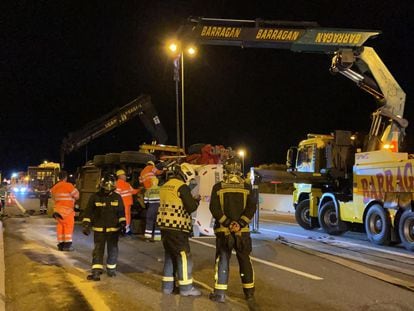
(174, 220)
(232, 205)
(125, 190)
(105, 215)
(152, 203)
(147, 173)
(64, 194)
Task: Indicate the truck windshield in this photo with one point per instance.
(305, 161)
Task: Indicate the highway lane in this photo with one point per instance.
(287, 276)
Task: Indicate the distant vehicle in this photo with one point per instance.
(46, 173)
(19, 183)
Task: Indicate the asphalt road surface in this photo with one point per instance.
(294, 270)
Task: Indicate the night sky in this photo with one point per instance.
(65, 63)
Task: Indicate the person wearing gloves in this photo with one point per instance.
(233, 206)
(105, 215)
(174, 220)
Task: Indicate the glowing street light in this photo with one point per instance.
(175, 50)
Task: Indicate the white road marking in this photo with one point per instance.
(268, 263)
(20, 206)
(279, 222)
(345, 243)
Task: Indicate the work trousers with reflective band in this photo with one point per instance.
(151, 229)
(64, 228)
(178, 262)
(111, 241)
(242, 244)
(128, 214)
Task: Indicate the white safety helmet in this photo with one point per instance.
(187, 172)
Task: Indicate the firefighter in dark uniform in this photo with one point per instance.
(233, 206)
(105, 215)
(174, 220)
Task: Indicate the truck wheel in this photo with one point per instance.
(112, 158)
(99, 160)
(377, 225)
(302, 215)
(136, 157)
(328, 219)
(406, 229)
(195, 148)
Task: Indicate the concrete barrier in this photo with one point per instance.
(276, 202)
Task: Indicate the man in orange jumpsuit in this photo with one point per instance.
(65, 195)
(125, 190)
(148, 173)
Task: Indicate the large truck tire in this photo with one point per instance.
(406, 229)
(112, 158)
(136, 157)
(378, 226)
(329, 221)
(302, 215)
(99, 160)
(195, 149)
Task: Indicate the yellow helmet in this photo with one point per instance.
(120, 172)
(151, 163)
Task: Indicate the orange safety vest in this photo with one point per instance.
(147, 174)
(65, 195)
(125, 190)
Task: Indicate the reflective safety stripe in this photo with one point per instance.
(97, 266)
(111, 266)
(223, 191)
(216, 269)
(114, 203)
(248, 285)
(184, 262)
(168, 279)
(122, 219)
(245, 218)
(98, 229)
(86, 219)
(99, 204)
(227, 230)
(222, 219)
(186, 282)
(220, 286)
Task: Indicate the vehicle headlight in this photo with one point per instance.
(15, 189)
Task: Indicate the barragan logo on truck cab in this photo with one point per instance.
(399, 179)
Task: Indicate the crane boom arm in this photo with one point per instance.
(351, 58)
(141, 107)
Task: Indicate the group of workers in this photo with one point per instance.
(169, 209)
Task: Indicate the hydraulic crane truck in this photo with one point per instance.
(132, 161)
(341, 179)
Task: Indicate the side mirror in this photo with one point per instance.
(291, 158)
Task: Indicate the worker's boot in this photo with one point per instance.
(217, 297)
(95, 276)
(111, 272)
(67, 247)
(60, 246)
(248, 293)
(192, 291)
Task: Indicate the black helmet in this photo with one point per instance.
(232, 166)
(108, 183)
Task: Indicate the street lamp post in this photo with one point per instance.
(242, 153)
(179, 76)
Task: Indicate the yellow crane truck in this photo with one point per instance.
(341, 179)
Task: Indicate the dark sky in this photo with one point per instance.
(65, 63)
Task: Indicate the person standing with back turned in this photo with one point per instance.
(125, 190)
(233, 206)
(174, 220)
(64, 195)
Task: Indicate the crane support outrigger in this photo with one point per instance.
(338, 180)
